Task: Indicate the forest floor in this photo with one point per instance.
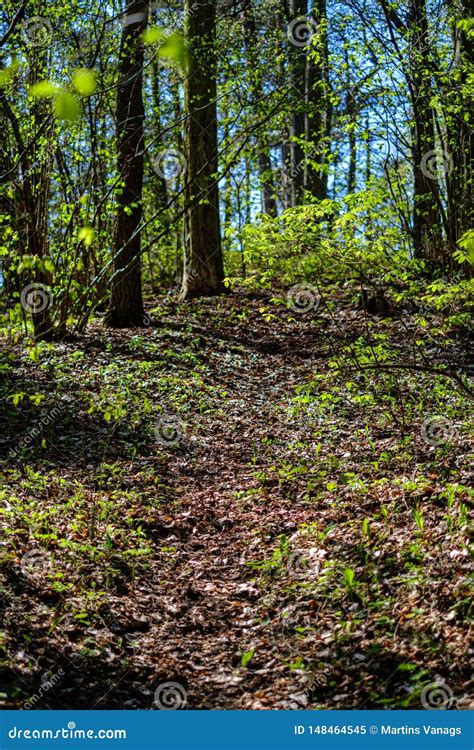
(211, 502)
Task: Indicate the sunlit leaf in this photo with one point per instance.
(153, 35)
(86, 235)
(171, 46)
(85, 81)
(349, 576)
(48, 265)
(7, 74)
(67, 107)
(43, 90)
(246, 657)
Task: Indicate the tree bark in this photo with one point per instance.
(426, 215)
(35, 184)
(126, 303)
(203, 265)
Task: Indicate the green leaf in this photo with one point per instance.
(418, 519)
(85, 81)
(467, 244)
(48, 265)
(349, 576)
(36, 398)
(42, 90)
(172, 47)
(86, 235)
(108, 540)
(297, 664)
(67, 107)
(246, 657)
(153, 35)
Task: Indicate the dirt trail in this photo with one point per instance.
(204, 612)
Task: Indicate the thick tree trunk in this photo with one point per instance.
(203, 266)
(427, 236)
(126, 303)
(427, 239)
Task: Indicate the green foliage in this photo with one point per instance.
(323, 241)
(465, 254)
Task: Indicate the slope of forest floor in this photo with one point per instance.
(211, 502)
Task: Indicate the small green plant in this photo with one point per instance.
(247, 657)
(418, 516)
(349, 577)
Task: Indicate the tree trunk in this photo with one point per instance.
(297, 68)
(427, 239)
(427, 235)
(36, 167)
(203, 266)
(126, 303)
